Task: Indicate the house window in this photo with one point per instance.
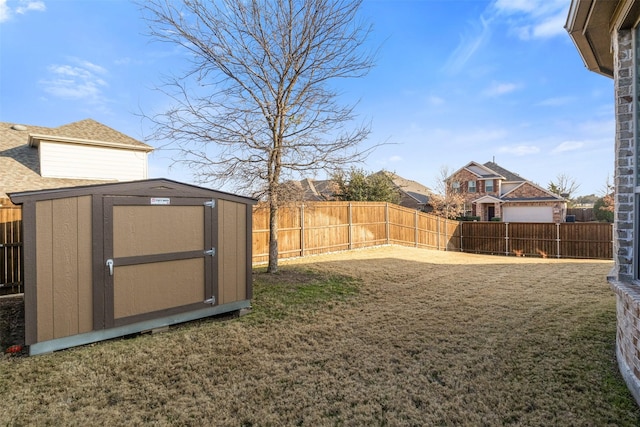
(488, 186)
(472, 186)
(456, 186)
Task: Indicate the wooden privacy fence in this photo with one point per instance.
(315, 228)
(321, 227)
(564, 240)
(11, 267)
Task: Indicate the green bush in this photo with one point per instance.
(602, 214)
(468, 218)
(496, 218)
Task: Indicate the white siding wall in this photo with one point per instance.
(508, 187)
(90, 162)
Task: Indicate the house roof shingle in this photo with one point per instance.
(413, 189)
(510, 176)
(19, 162)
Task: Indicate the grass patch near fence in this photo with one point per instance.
(385, 336)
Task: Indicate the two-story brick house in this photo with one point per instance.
(490, 191)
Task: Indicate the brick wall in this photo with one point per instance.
(627, 293)
(528, 190)
(464, 176)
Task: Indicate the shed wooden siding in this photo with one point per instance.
(63, 236)
(78, 161)
(233, 229)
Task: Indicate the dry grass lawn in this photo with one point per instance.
(385, 336)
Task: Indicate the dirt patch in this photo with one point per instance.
(11, 321)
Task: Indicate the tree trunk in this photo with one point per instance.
(273, 238)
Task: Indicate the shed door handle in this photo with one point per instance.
(110, 265)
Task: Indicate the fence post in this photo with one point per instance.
(350, 225)
(386, 221)
(558, 239)
(461, 234)
(415, 223)
(437, 233)
(506, 239)
(302, 234)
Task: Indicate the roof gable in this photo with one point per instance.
(479, 170)
(487, 199)
(157, 187)
(529, 191)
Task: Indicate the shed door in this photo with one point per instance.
(157, 257)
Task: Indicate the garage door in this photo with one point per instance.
(527, 214)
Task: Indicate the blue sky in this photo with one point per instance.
(456, 81)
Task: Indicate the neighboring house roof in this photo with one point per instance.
(413, 189)
(479, 170)
(488, 199)
(500, 171)
(19, 157)
(413, 194)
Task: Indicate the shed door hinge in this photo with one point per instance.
(210, 203)
(210, 252)
(211, 300)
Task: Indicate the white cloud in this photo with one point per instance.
(555, 102)
(79, 80)
(568, 146)
(519, 150)
(435, 100)
(550, 27)
(498, 88)
(5, 12)
(27, 6)
(24, 6)
(471, 137)
(530, 19)
(395, 159)
(468, 46)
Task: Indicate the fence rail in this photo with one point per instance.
(321, 227)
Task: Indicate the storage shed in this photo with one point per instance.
(104, 261)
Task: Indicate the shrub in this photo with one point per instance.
(468, 218)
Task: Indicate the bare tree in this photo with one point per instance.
(449, 200)
(256, 106)
(564, 186)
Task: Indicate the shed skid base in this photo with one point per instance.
(120, 331)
